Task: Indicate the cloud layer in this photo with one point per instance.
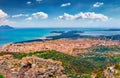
(40, 15)
(28, 2)
(28, 19)
(66, 4)
(38, 1)
(98, 4)
(4, 18)
(37, 15)
(20, 15)
(86, 15)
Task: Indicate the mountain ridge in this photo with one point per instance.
(5, 27)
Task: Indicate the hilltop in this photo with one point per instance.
(5, 27)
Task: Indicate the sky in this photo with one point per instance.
(60, 13)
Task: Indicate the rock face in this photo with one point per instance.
(112, 71)
(30, 67)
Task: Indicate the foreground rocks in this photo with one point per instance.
(112, 71)
(68, 46)
(30, 67)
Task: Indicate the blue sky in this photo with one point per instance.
(60, 13)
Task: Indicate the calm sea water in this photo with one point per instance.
(23, 34)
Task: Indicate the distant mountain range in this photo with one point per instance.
(113, 30)
(4, 27)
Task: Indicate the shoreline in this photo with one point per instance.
(47, 38)
(73, 34)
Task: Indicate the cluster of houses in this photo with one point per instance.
(68, 46)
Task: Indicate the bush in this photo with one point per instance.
(117, 66)
(1, 76)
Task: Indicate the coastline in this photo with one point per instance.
(73, 34)
(44, 38)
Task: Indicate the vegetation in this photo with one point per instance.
(73, 66)
(83, 65)
(117, 66)
(102, 48)
(1, 76)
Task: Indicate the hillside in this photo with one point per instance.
(83, 65)
(100, 55)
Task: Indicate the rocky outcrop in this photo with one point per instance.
(30, 67)
(112, 71)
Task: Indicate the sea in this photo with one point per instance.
(24, 34)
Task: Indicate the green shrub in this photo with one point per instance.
(102, 48)
(1, 76)
(117, 66)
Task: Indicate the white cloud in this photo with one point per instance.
(37, 15)
(66, 17)
(3, 14)
(38, 1)
(28, 19)
(20, 15)
(4, 18)
(28, 2)
(98, 4)
(86, 15)
(40, 15)
(66, 4)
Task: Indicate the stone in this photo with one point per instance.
(30, 67)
